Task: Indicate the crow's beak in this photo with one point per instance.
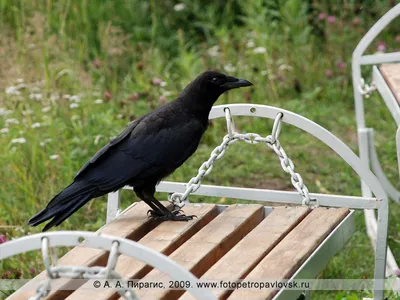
(234, 82)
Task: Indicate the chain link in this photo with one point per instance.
(365, 89)
(78, 272)
(251, 138)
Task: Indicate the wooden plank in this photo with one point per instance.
(239, 261)
(207, 246)
(391, 73)
(133, 224)
(292, 251)
(165, 238)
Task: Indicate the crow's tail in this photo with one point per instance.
(64, 204)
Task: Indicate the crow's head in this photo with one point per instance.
(219, 83)
(202, 92)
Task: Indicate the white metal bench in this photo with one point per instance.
(214, 243)
(386, 80)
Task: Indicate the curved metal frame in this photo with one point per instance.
(336, 145)
(358, 59)
(104, 242)
(366, 145)
(311, 127)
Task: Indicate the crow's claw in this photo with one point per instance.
(177, 210)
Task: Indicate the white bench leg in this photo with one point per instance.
(113, 206)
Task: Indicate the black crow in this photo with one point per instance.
(149, 149)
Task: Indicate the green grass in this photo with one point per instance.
(112, 50)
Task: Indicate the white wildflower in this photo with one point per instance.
(166, 93)
(259, 50)
(271, 76)
(13, 90)
(12, 121)
(45, 141)
(284, 67)
(20, 86)
(4, 130)
(97, 139)
(54, 97)
(250, 44)
(5, 112)
(35, 125)
(179, 6)
(46, 109)
(35, 89)
(36, 96)
(213, 51)
(21, 132)
(66, 96)
(264, 72)
(75, 117)
(54, 156)
(75, 98)
(120, 116)
(20, 80)
(27, 112)
(229, 68)
(18, 141)
(163, 84)
(98, 101)
(73, 105)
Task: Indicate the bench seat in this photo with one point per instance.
(224, 242)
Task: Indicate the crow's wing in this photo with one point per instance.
(123, 135)
(142, 154)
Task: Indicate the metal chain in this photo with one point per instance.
(194, 183)
(96, 272)
(365, 89)
(251, 138)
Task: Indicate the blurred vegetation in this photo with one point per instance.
(74, 72)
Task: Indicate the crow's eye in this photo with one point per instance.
(214, 79)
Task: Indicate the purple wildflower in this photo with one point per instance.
(356, 21)
(32, 271)
(328, 73)
(381, 46)
(2, 238)
(331, 19)
(7, 274)
(321, 16)
(162, 100)
(157, 81)
(341, 65)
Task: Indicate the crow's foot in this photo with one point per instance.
(173, 216)
(156, 213)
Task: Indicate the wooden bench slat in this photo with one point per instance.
(239, 261)
(292, 251)
(207, 246)
(391, 73)
(132, 224)
(165, 238)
